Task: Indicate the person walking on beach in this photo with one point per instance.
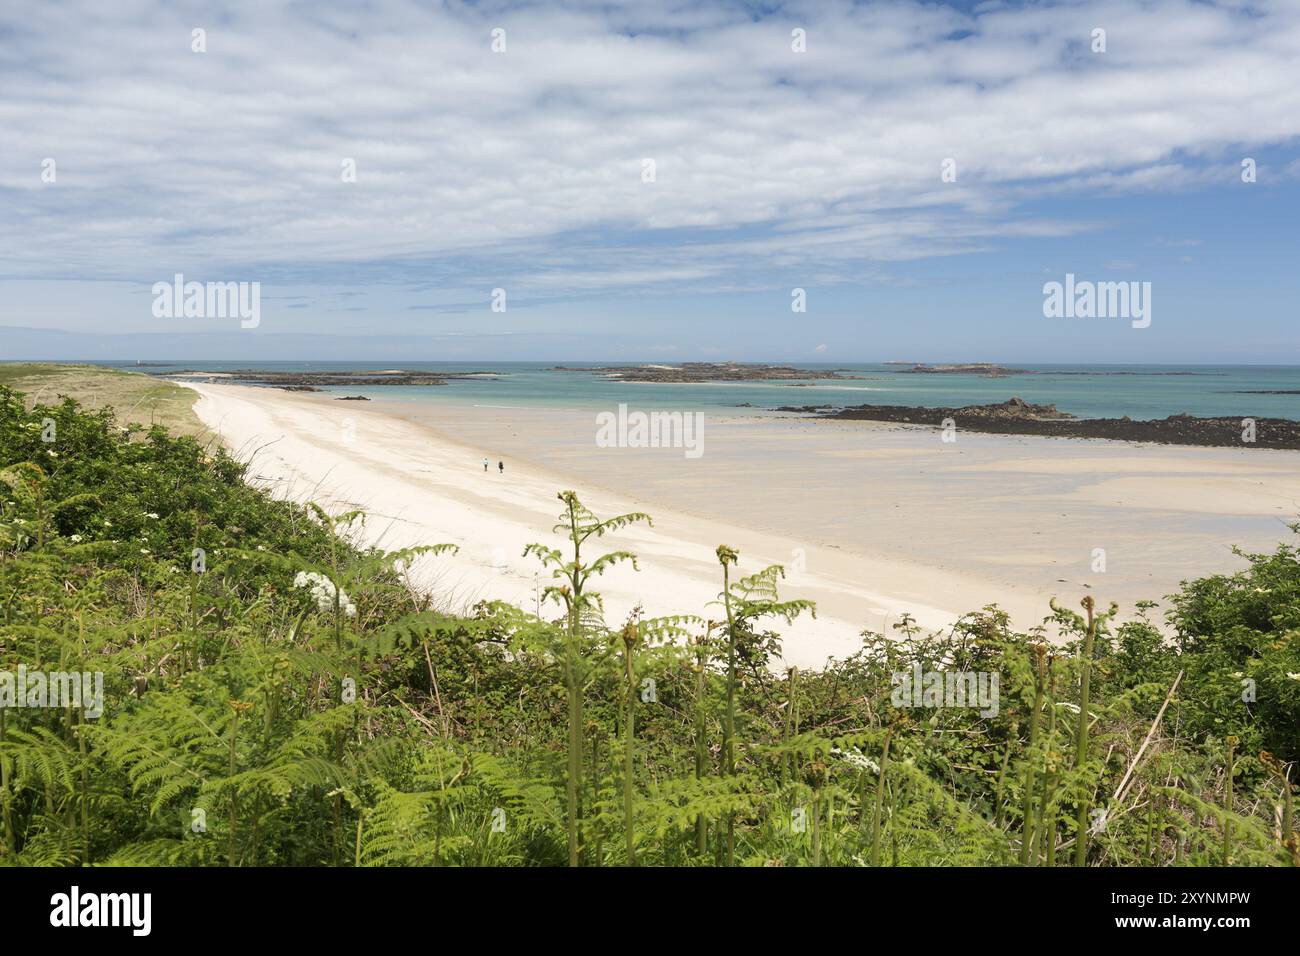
(501, 465)
(485, 464)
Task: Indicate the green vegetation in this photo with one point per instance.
(137, 396)
(275, 694)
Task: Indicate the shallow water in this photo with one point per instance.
(1089, 391)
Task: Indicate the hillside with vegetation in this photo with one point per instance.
(276, 695)
(135, 395)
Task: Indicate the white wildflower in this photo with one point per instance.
(857, 759)
(323, 590)
(75, 538)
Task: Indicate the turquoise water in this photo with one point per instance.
(1089, 391)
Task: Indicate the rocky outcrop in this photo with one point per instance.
(986, 369)
(1018, 417)
(315, 381)
(694, 372)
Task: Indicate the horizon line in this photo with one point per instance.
(618, 362)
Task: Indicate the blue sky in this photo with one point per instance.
(523, 169)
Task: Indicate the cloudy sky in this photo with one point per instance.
(774, 168)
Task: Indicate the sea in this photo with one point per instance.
(1088, 391)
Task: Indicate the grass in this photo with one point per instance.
(133, 396)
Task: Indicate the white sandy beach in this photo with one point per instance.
(419, 487)
(995, 524)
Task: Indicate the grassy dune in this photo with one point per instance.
(133, 396)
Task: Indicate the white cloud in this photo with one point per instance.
(174, 161)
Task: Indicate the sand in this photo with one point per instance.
(870, 521)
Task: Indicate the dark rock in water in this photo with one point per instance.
(1018, 417)
(314, 381)
(1015, 408)
(352, 398)
(705, 372)
(986, 369)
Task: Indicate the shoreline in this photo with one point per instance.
(421, 486)
(871, 519)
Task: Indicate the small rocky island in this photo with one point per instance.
(993, 370)
(696, 372)
(985, 369)
(318, 381)
(1018, 417)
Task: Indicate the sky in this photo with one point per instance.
(649, 180)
